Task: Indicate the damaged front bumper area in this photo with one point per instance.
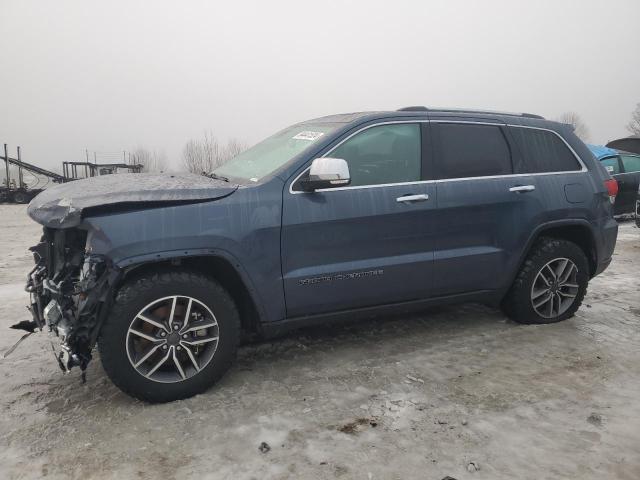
(71, 291)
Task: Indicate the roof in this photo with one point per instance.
(464, 110)
(600, 151)
(419, 111)
(630, 144)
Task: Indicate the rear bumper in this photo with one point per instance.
(607, 244)
(602, 266)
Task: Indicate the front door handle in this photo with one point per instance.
(522, 188)
(412, 198)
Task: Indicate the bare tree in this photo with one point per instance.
(233, 148)
(200, 155)
(151, 161)
(206, 154)
(634, 125)
(579, 127)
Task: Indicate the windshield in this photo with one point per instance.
(272, 153)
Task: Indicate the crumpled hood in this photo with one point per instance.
(64, 205)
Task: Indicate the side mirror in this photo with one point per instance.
(326, 172)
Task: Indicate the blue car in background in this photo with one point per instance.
(624, 167)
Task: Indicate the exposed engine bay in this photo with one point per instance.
(70, 291)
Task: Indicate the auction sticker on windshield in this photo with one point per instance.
(309, 136)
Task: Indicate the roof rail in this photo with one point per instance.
(462, 110)
(413, 109)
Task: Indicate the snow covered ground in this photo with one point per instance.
(458, 391)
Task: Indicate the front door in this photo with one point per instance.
(367, 244)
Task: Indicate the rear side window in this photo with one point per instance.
(468, 150)
(543, 151)
(631, 163)
(611, 165)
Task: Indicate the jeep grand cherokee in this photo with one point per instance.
(337, 217)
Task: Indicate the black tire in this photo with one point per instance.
(20, 197)
(518, 304)
(131, 298)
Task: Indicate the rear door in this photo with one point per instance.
(370, 243)
(628, 181)
(484, 211)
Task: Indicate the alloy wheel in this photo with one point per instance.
(555, 288)
(172, 339)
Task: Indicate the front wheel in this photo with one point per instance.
(169, 335)
(550, 285)
(20, 197)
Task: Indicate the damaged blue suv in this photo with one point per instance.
(339, 217)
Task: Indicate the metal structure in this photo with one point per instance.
(19, 192)
(16, 190)
(70, 170)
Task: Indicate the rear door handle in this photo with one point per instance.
(412, 198)
(522, 188)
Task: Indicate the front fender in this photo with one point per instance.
(245, 233)
(199, 253)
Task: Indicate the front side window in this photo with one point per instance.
(383, 154)
(631, 163)
(271, 154)
(611, 165)
(543, 151)
(471, 150)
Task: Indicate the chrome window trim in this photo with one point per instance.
(583, 168)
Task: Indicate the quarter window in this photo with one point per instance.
(542, 151)
(383, 154)
(631, 163)
(468, 150)
(611, 165)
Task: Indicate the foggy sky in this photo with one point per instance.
(110, 76)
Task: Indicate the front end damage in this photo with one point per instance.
(71, 291)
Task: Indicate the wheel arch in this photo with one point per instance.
(577, 231)
(222, 268)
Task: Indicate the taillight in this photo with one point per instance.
(612, 188)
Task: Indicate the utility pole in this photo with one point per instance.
(20, 182)
(6, 162)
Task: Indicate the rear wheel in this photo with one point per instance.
(550, 285)
(169, 335)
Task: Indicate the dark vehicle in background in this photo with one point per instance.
(627, 144)
(624, 167)
(18, 195)
(335, 218)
